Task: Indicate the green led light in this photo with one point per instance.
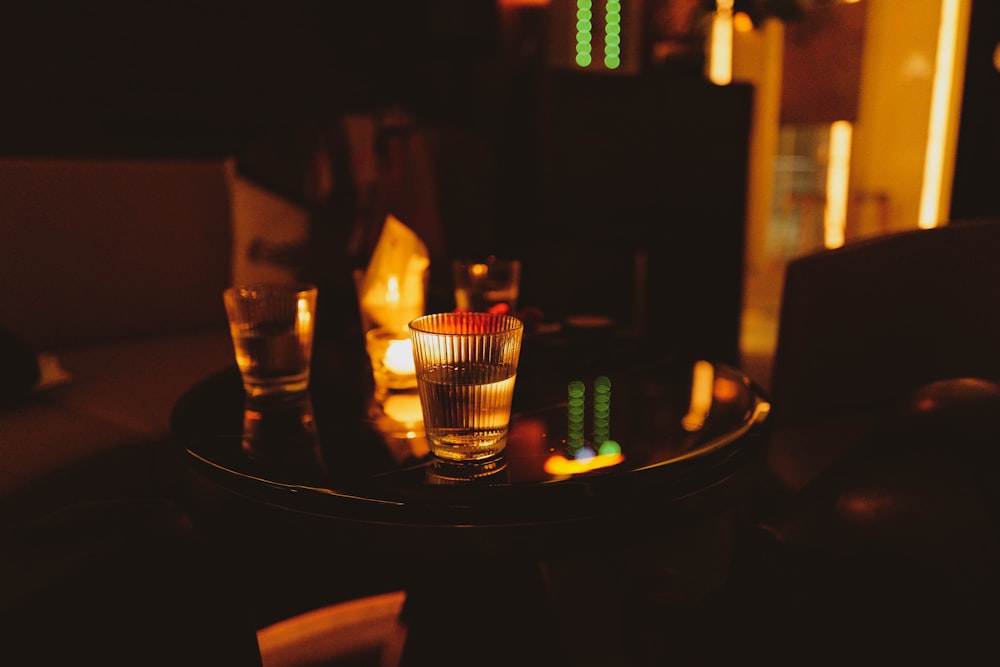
(576, 392)
(602, 408)
(612, 34)
(584, 27)
(609, 447)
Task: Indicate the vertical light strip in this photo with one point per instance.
(838, 171)
(584, 32)
(702, 384)
(720, 58)
(602, 411)
(930, 194)
(612, 34)
(576, 401)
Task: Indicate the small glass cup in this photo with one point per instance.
(489, 285)
(390, 351)
(272, 330)
(466, 365)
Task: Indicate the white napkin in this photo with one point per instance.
(391, 291)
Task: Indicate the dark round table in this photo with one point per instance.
(611, 440)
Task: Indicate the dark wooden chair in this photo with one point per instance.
(863, 326)
(879, 533)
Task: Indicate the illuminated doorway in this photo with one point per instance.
(855, 128)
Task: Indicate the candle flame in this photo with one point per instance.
(303, 315)
(398, 357)
(392, 291)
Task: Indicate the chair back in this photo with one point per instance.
(863, 325)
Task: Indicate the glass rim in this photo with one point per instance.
(251, 289)
(511, 324)
(489, 260)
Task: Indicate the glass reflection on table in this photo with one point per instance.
(486, 471)
(625, 419)
(282, 432)
(593, 428)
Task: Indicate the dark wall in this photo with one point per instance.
(654, 162)
(546, 163)
(203, 78)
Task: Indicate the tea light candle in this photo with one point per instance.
(398, 357)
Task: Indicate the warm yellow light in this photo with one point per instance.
(941, 93)
(720, 65)
(392, 291)
(702, 381)
(742, 22)
(398, 357)
(726, 390)
(303, 315)
(405, 409)
(559, 465)
(837, 178)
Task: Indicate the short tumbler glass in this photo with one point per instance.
(466, 366)
(272, 329)
(489, 285)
